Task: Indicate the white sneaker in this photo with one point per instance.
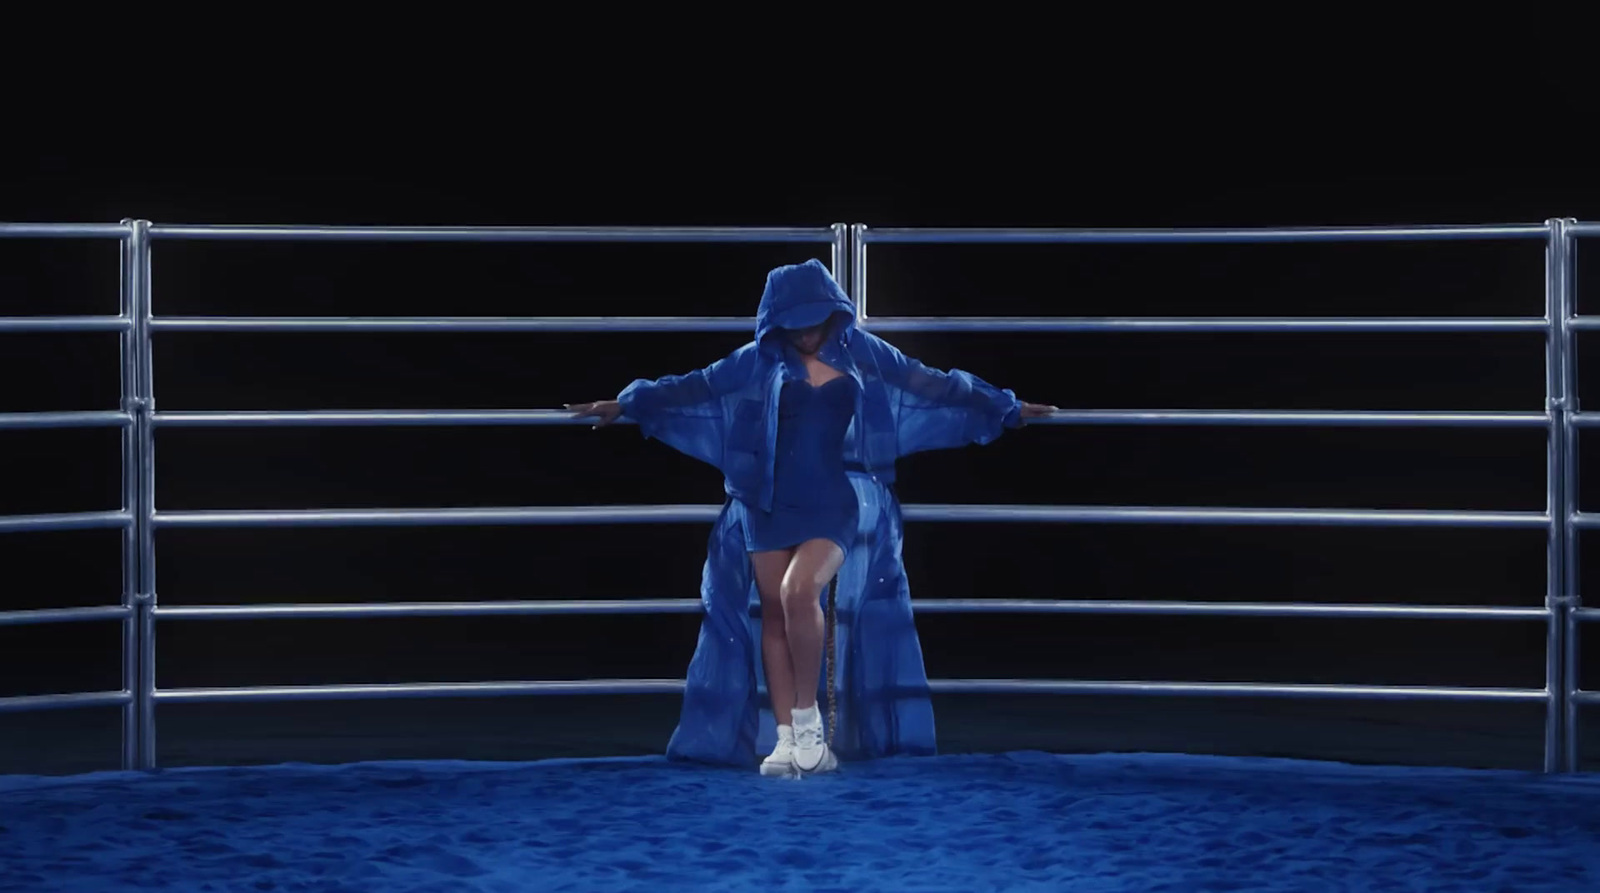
(781, 761)
(811, 751)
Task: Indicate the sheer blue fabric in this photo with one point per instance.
(726, 415)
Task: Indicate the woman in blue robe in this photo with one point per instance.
(806, 423)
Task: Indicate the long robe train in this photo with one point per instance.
(881, 685)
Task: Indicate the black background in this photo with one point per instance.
(1406, 146)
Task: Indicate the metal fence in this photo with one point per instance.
(139, 518)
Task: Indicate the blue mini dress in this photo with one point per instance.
(812, 497)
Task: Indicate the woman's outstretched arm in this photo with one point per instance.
(938, 409)
(683, 411)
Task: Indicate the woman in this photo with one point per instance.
(805, 423)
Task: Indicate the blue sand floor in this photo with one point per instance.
(1021, 821)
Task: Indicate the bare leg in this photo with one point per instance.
(770, 568)
(814, 564)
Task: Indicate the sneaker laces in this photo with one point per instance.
(784, 748)
(808, 737)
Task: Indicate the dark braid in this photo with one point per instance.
(832, 660)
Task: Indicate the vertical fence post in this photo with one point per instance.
(858, 269)
(1566, 300)
(131, 628)
(144, 511)
(1556, 494)
(839, 257)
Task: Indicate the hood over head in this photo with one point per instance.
(799, 296)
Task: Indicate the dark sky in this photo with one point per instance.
(1442, 132)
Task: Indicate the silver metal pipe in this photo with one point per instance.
(1203, 324)
(936, 686)
(454, 324)
(64, 615)
(144, 513)
(31, 703)
(358, 418)
(21, 420)
(1224, 609)
(63, 230)
(496, 233)
(1232, 689)
(1555, 471)
(63, 324)
(920, 606)
(429, 609)
(1131, 417)
(1222, 516)
(420, 690)
(1572, 588)
(668, 514)
(858, 270)
(128, 389)
(69, 521)
(1295, 418)
(146, 694)
(839, 255)
(913, 235)
(1573, 761)
(599, 514)
(1197, 325)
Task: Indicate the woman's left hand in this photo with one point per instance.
(1038, 410)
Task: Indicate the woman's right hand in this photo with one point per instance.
(605, 411)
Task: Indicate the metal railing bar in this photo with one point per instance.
(1194, 236)
(935, 686)
(63, 230)
(30, 420)
(920, 606)
(633, 234)
(67, 521)
(565, 324)
(64, 615)
(1127, 417)
(15, 324)
(31, 703)
(666, 514)
(1204, 324)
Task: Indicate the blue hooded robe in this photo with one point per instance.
(727, 415)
